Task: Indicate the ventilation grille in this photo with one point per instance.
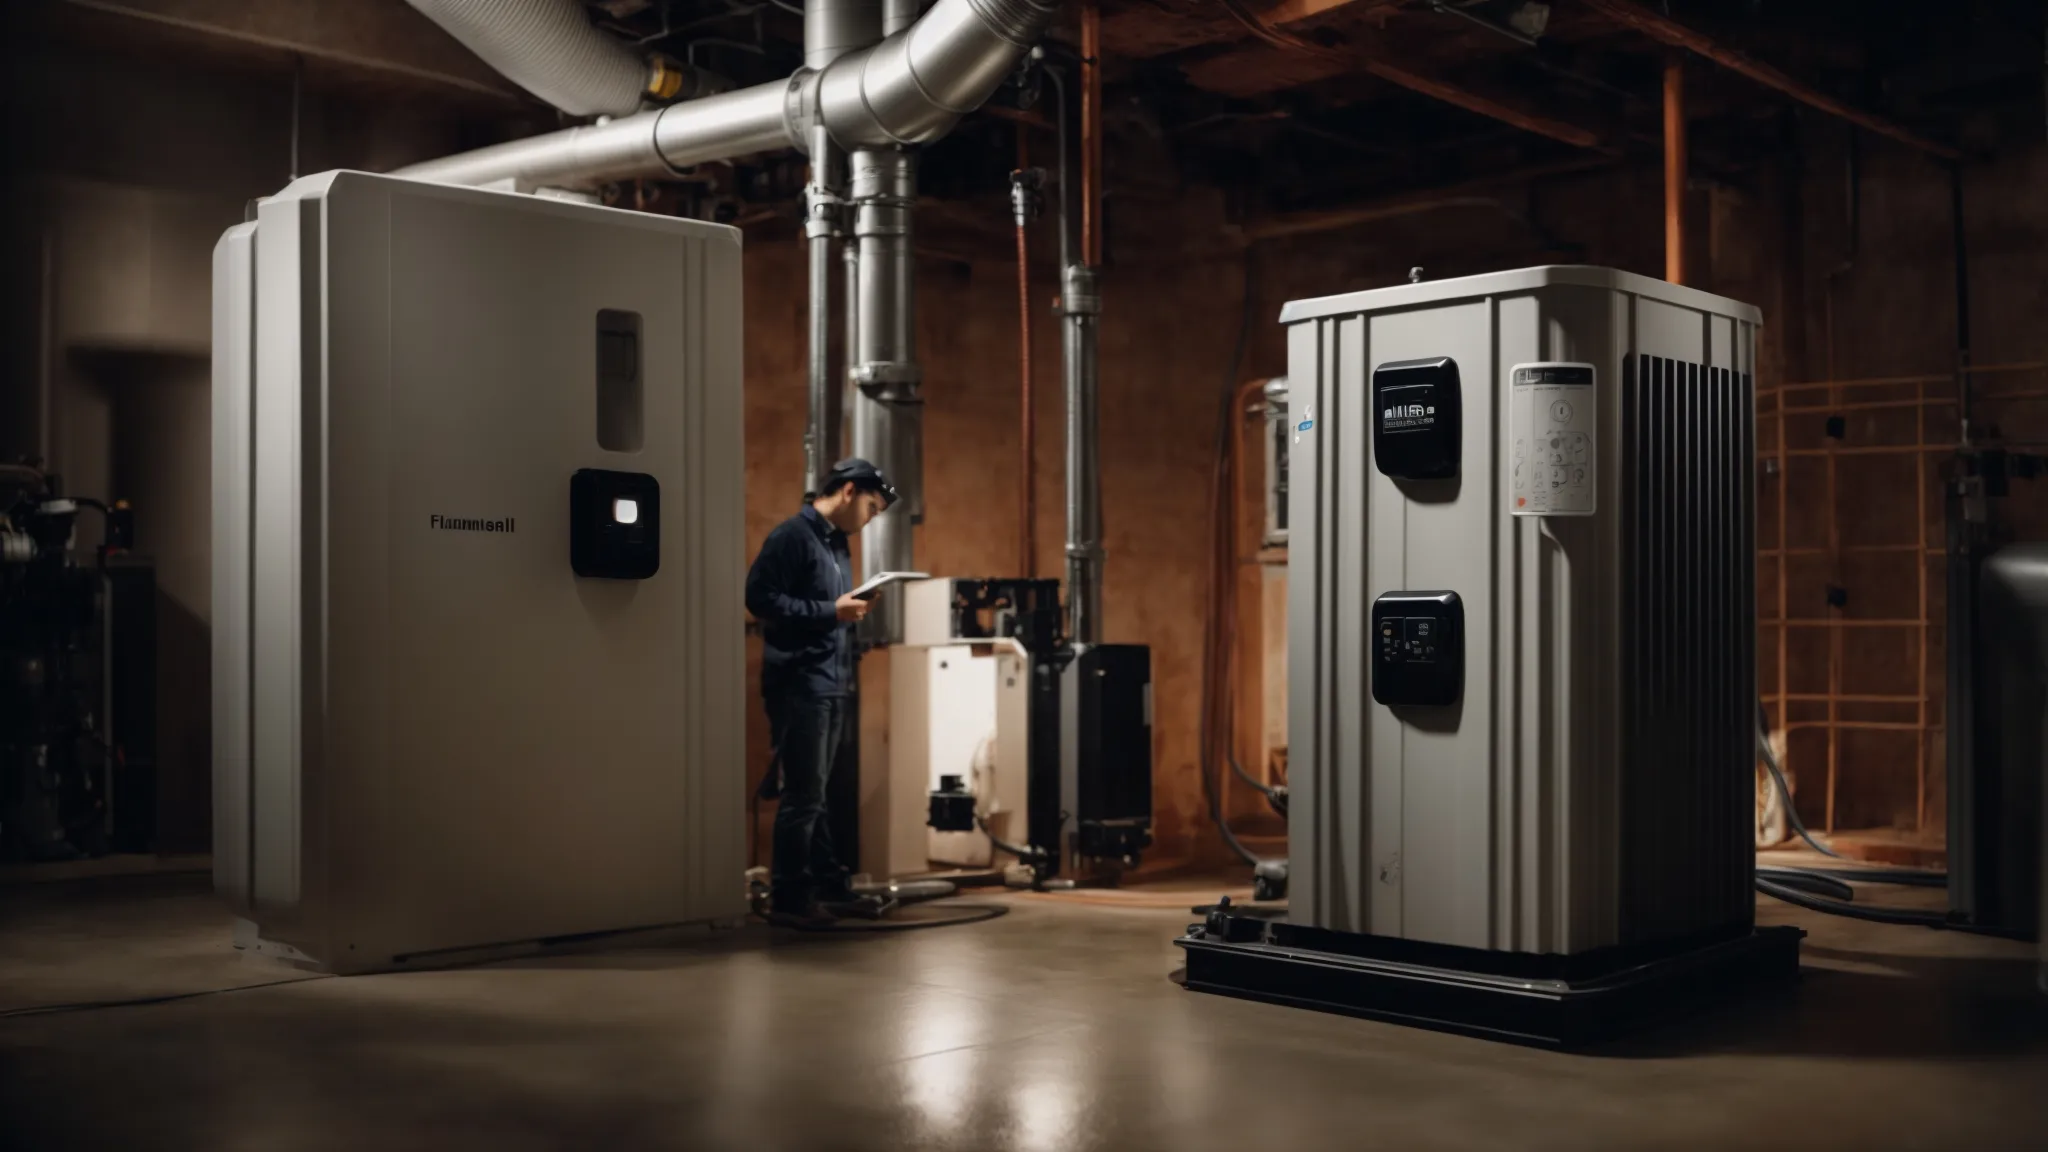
(1688, 649)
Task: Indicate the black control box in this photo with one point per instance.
(1417, 422)
(614, 524)
(1418, 654)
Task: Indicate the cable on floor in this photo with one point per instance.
(142, 1001)
(975, 914)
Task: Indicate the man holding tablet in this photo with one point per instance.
(801, 589)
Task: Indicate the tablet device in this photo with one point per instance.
(873, 585)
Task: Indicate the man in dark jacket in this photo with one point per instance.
(800, 590)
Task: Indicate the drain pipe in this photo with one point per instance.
(1081, 315)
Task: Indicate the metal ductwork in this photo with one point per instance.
(878, 79)
(549, 48)
(909, 89)
(832, 28)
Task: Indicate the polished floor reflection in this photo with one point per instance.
(1053, 1028)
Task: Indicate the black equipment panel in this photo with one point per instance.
(1417, 419)
(1418, 648)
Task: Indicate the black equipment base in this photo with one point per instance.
(1543, 1000)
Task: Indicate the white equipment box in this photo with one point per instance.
(1521, 634)
(478, 547)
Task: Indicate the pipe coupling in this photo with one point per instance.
(884, 176)
(889, 381)
(1080, 294)
(1026, 195)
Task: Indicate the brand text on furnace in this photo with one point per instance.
(463, 524)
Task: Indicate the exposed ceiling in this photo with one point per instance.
(1293, 106)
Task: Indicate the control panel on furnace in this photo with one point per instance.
(1552, 423)
(1418, 648)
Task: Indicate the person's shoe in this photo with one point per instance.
(807, 917)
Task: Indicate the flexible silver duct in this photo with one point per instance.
(908, 89)
(549, 48)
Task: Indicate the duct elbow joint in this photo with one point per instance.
(915, 85)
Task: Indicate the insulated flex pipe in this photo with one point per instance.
(910, 88)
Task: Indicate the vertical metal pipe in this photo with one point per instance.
(822, 210)
(1083, 308)
(1962, 254)
(1674, 170)
(298, 93)
(1081, 304)
(853, 405)
(1027, 462)
(883, 185)
(1091, 134)
(898, 15)
(817, 451)
(1066, 177)
(832, 28)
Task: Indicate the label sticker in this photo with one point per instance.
(1553, 419)
(1308, 421)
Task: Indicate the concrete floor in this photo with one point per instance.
(1055, 1027)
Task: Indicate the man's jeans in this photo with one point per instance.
(806, 732)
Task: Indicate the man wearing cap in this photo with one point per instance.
(800, 590)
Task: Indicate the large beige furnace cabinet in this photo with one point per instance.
(478, 549)
(1521, 641)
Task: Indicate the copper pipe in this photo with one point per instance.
(1091, 133)
(1657, 26)
(1674, 170)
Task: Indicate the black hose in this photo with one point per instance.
(1027, 853)
(1901, 876)
(1912, 916)
(140, 1001)
(1906, 876)
(1813, 882)
(1770, 759)
(1211, 784)
(975, 914)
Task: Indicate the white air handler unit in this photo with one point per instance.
(1521, 646)
(477, 648)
